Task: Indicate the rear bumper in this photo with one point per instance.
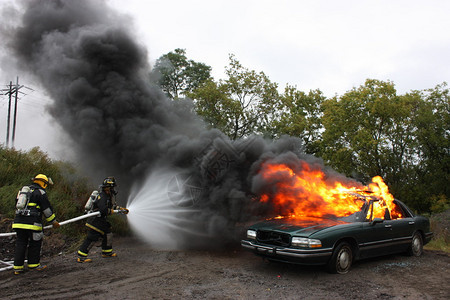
(293, 255)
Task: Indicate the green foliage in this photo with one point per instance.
(67, 195)
(16, 169)
(439, 203)
(432, 120)
(8, 195)
(242, 104)
(438, 244)
(176, 75)
(364, 121)
(440, 226)
(214, 105)
(300, 116)
(372, 131)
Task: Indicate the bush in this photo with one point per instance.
(67, 196)
(440, 226)
(439, 203)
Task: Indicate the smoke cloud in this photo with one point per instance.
(96, 72)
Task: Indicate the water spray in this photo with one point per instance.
(159, 214)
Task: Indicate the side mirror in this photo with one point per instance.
(376, 220)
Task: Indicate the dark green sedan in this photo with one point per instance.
(337, 242)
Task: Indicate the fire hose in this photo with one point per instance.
(9, 264)
(92, 214)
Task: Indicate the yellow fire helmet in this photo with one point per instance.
(42, 180)
(109, 182)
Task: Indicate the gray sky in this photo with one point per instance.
(328, 45)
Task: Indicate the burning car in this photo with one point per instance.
(323, 223)
(337, 242)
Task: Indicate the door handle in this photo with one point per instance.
(411, 223)
(387, 226)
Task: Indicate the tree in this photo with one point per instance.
(404, 138)
(214, 105)
(432, 123)
(242, 104)
(176, 75)
(300, 116)
(369, 131)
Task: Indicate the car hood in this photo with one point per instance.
(304, 226)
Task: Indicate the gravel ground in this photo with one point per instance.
(140, 272)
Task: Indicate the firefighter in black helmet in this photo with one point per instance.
(28, 224)
(99, 227)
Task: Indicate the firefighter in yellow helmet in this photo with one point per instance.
(31, 205)
(99, 227)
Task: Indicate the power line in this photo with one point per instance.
(10, 91)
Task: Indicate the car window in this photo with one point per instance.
(355, 217)
(377, 209)
(374, 211)
(402, 210)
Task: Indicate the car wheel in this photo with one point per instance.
(341, 260)
(416, 247)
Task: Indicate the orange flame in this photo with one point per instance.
(380, 189)
(308, 192)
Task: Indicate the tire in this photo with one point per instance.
(416, 247)
(341, 260)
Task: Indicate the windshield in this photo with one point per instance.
(373, 208)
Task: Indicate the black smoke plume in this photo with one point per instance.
(90, 63)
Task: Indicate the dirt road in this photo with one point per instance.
(139, 272)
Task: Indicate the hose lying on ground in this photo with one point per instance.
(9, 265)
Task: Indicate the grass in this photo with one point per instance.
(438, 244)
(67, 196)
(440, 225)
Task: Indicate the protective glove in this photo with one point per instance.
(55, 224)
(122, 210)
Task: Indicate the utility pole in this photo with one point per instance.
(10, 91)
(15, 110)
(9, 114)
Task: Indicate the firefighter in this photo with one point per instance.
(99, 227)
(28, 225)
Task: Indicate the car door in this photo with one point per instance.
(402, 229)
(375, 238)
(376, 235)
